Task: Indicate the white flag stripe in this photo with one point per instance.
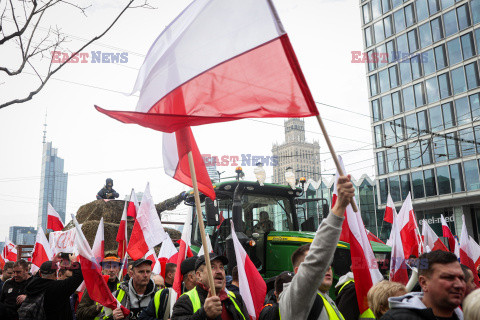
(149, 221)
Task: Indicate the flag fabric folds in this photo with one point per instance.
(475, 252)
(132, 205)
(398, 267)
(243, 67)
(430, 239)
(53, 219)
(152, 256)
(182, 252)
(167, 250)
(447, 233)
(390, 211)
(9, 251)
(41, 251)
(252, 286)
(98, 248)
(372, 237)
(176, 147)
(122, 234)
(148, 230)
(466, 254)
(407, 224)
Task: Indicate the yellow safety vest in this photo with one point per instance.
(195, 299)
(156, 300)
(332, 315)
(367, 314)
(120, 296)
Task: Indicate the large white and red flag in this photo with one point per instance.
(182, 251)
(407, 223)
(122, 233)
(92, 273)
(364, 265)
(398, 267)
(167, 250)
(431, 239)
(148, 230)
(447, 233)
(9, 251)
(243, 66)
(132, 205)
(152, 256)
(475, 251)
(53, 219)
(41, 252)
(390, 211)
(252, 286)
(98, 247)
(466, 252)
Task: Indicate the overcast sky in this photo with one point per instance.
(96, 147)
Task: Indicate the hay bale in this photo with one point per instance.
(111, 211)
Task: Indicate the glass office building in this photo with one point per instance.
(424, 95)
(53, 185)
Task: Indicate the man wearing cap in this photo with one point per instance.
(187, 269)
(89, 309)
(199, 303)
(56, 303)
(136, 293)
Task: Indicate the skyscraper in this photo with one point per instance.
(22, 235)
(53, 183)
(424, 97)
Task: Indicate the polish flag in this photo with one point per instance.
(364, 264)
(398, 267)
(41, 252)
(148, 230)
(466, 252)
(220, 220)
(447, 233)
(176, 147)
(344, 234)
(92, 274)
(167, 250)
(2, 261)
(243, 66)
(475, 251)
(98, 247)
(408, 228)
(122, 234)
(182, 252)
(372, 237)
(430, 239)
(53, 219)
(132, 205)
(209, 247)
(152, 256)
(390, 210)
(252, 286)
(9, 251)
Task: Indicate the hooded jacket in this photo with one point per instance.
(346, 300)
(57, 294)
(411, 307)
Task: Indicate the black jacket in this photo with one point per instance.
(57, 294)
(347, 302)
(10, 291)
(183, 309)
(410, 314)
(102, 194)
(270, 312)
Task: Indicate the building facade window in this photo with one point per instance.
(405, 185)
(471, 175)
(457, 177)
(440, 57)
(454, 51)
(399, 20)
(458, 80)
(443, 180)
(433, 94)
(436, 121)
(430, 185)
(417, 184)
(425, 35)
(394, 183)
(437, 30)
(462, 109)
(387, 110)
(450, 23)
(463, 17)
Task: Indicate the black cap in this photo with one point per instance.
(282, 278)
(48, 267)
(188, 265)
(213, 256)
(139, 262)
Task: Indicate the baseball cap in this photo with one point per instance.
(188, 265)
(48, 267)
(139, 262)
(111, 259)
(213, 256)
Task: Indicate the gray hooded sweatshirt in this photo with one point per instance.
(298, 297)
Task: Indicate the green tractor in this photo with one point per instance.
(267, 224)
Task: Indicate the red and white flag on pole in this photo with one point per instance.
(148, 230)
(53, 219)
(398, 267)
(122, 234)
(182, 251)
(94, 281)
(167, 250)
(132, 205)
(390, 211)
(176, 147)
(466, 254)
(447, 233)
(152, 256)
(98, 248)
(252, 286)
(243, 67)
(364, 264)
(407, 223)
(41, 252)
(372, 237)
(9, 251)
(430, 239)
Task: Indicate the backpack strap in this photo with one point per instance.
(316, 308)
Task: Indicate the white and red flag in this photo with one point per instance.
(243, 66)
(167, 251)
(252, 286)
(53, 219)
(447, 233)
(41, 252)
(132, 205)
(431, 239)
(466, 252)
(152, 256)
(364, 265)
(398, 267)
(209, 246)
(92, 273)
(98, 248)
(148, 230)
(390, 211)
(407, 223)
(9, 251)
(182, 252)
(372, 237)
(475, 251)
(176, 147)
(122, 234)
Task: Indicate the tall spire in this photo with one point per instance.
(45, 128)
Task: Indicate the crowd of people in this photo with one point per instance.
(443, 288)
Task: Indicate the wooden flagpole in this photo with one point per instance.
(334, 155)
(200, 223)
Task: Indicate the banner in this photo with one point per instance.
(63, 241)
